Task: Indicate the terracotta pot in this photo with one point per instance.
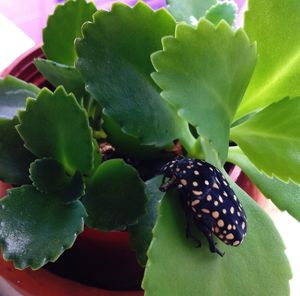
(99, 259)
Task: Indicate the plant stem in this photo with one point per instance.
(189, 143)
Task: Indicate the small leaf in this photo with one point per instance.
(117, 74)
(115, 196)
(222, 11)
(237, 273)
(37, 228)
(203, 73)
(275, 26)
(14, 157)
(59, 74)
(13, 95)
(49, 176)
(271, 139)
(62, 29)
(141, 233)
(286, 196)
(189, 10)
(54, 125)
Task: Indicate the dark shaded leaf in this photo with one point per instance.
(141, 233)
(14, 157)
(114, 197)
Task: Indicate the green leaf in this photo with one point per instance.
(54, 125)
(237, 273)
(37, 228)
(141, 233)
(189, 10)
(274, 25)
(59, 74)
(49, 176)
(14, 158)
(62, 29)
(13, 95)
(115, 196)
(127, 145)
(284, 195)
(222, 11)
(117, 74)
(203, 73)
(271, 139)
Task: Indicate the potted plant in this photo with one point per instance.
(137, 89)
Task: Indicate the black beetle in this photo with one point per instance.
(208, 201)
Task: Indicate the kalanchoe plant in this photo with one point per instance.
(136, 82)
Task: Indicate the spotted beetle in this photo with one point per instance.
(208, 201)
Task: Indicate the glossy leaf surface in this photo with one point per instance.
(274, 25)
(13, 95)
(141, 233)
(54, 125)
(62, 29)
(114, 197)
(203, 73)
(286, 196)
(189, 10)
(37, 228)
(117, 74)
(222, 11)
(176, 267)
(14, 157)
(271, 139)
(59, 74)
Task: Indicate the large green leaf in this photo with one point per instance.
(286, 196)
(115, 196)
(271, 139)
(14, 157)
(175, 267)
(127, 145)
(13, 95)
(189, 10)
(223, 10)
(275, 26)
(59, 74)
(54, 125)
(37, 228)
(117, 74)
(141, 233)
(203, 73)
(62, 29)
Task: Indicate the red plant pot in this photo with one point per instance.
(99, 259)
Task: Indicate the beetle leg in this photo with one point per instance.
(208, 234)
(189, 221)
(165, 186)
